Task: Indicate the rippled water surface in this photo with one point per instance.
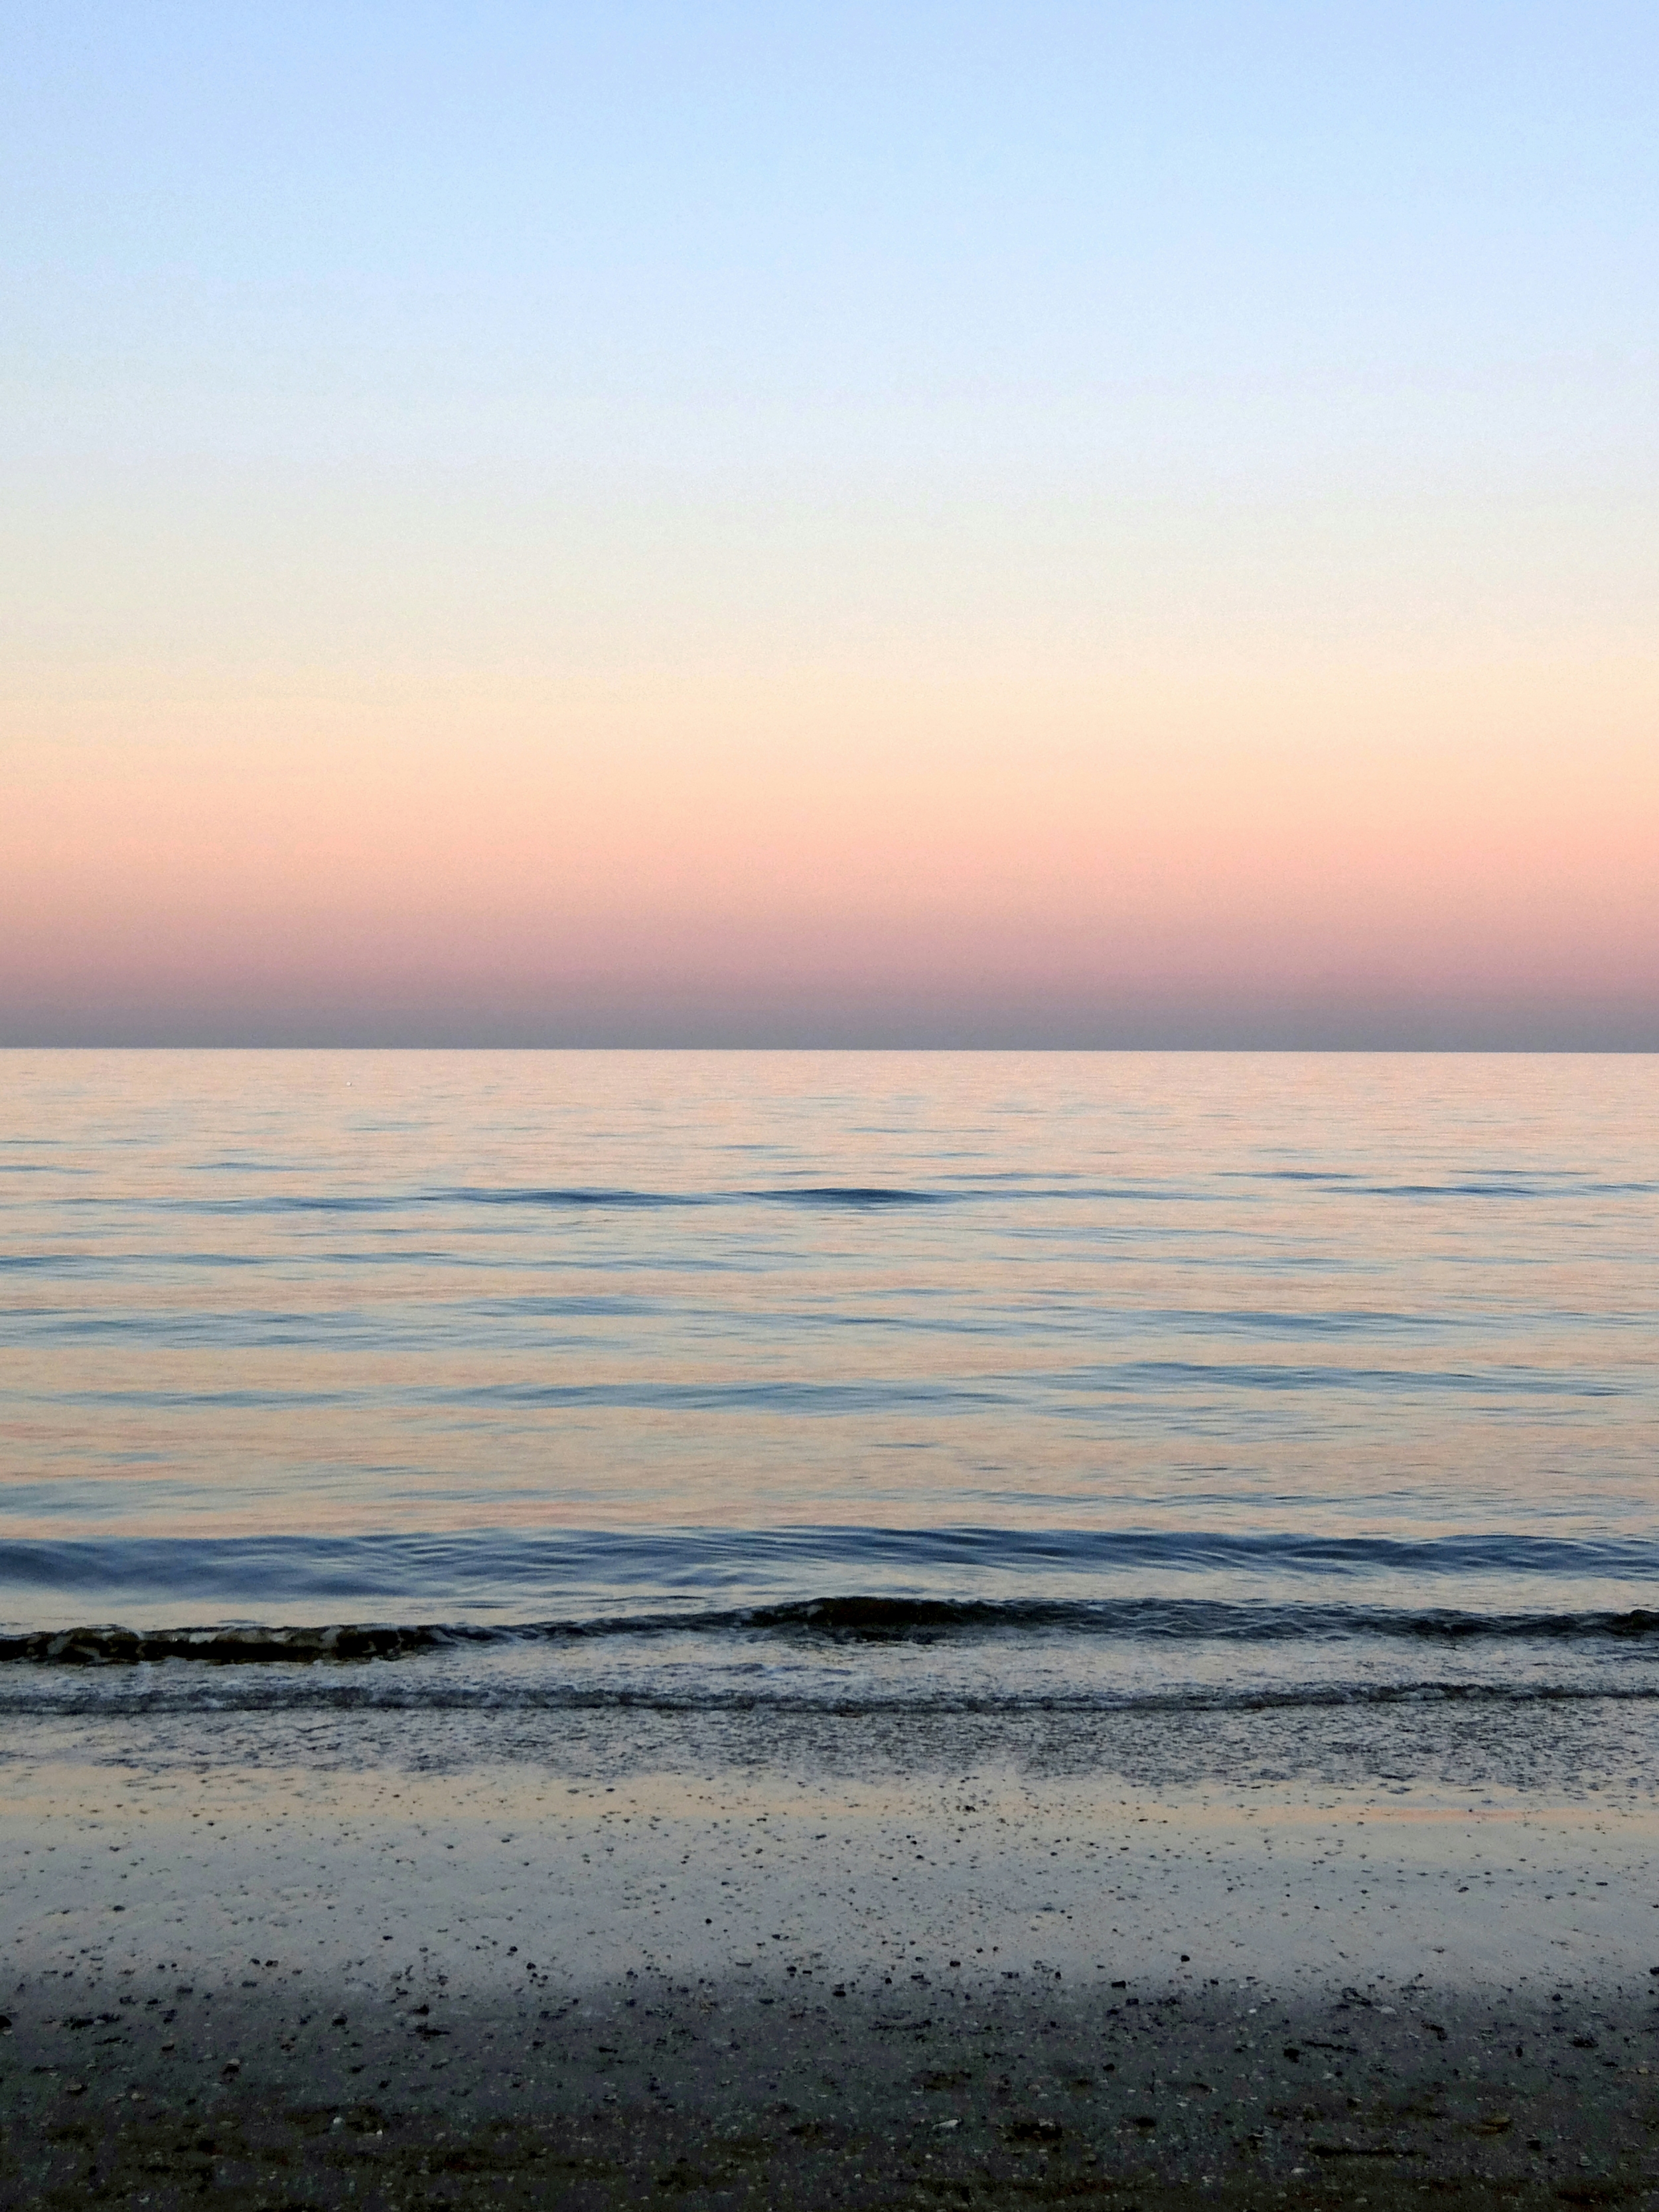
(1153, 1367)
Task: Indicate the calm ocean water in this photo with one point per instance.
(831, 1378)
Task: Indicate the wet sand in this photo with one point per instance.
(786, 2092)
(394, 1959)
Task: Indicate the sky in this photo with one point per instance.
(729, 524)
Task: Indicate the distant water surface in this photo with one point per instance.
(836, 1375)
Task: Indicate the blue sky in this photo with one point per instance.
(352, 350)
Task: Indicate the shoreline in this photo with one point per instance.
(402, 1959)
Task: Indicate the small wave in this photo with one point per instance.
(813, 1554)
(849, 1620)
(573, 1197)
(543, 1573)
(1254, 1375)
(1166, 1621)
(1530, 1183)
(252, 1646)
(579, 1197)
(861, 1198)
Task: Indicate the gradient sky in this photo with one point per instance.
(819, 524)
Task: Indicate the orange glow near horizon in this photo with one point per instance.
(827, 856)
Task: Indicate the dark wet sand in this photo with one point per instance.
(798, 2091)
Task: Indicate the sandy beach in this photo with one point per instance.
(411, 1957)
(829, 1073)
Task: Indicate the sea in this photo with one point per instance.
(838, 1382)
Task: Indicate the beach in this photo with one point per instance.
(764, 1958)
(828, 1187)
(827, 1629)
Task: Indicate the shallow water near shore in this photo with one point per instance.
(833, 1380)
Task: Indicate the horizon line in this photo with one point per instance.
(1401, 1050)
